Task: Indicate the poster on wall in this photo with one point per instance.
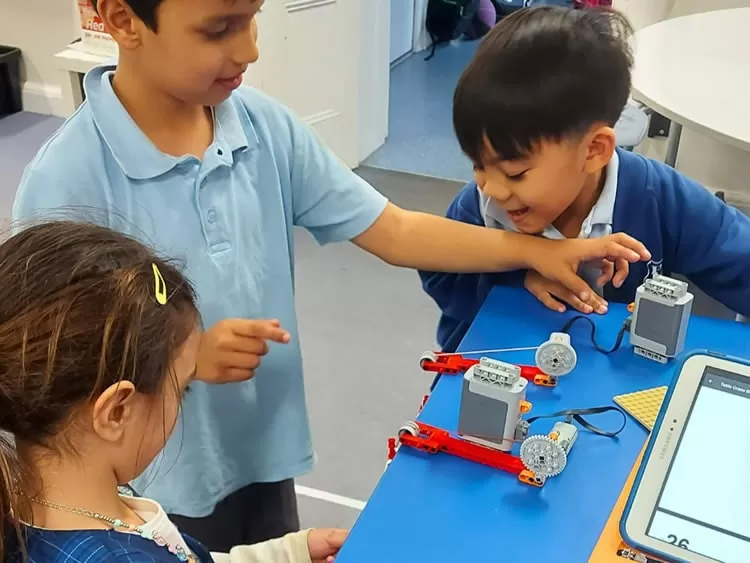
(94, 38)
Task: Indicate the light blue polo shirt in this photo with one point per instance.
(598, 223)
(229, 217)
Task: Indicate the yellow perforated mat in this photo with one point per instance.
(643, 405)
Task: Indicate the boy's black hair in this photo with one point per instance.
(543, 73)
(144, 9)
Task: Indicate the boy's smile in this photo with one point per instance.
(231, 83)
(517, 215)
(556, 185)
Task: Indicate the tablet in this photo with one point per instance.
(691, 499)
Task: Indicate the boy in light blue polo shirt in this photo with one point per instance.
(170, 149)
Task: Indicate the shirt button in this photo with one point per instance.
(211, 216)
(220, 152)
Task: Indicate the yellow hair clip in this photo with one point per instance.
(160, 288)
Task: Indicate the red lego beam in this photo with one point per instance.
(435, 440)
(453, 364)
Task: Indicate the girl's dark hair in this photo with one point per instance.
(78, 313)
(543, 73)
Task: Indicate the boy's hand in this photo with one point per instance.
(611, 274)
(558, 261)
(324, 544)
(231, 350)
(553, 295)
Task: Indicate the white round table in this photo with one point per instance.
(695, 70)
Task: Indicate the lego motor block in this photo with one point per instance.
(492, 401)
(660, 318)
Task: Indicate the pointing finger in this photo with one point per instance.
(266, 329)
(628, 248)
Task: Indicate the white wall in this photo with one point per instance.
(715, 165)
(40, 28)
(326, 59)
(421, 38)
(374, 75)
(402, 28)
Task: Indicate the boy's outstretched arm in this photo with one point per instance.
(334, 204)
(427, 242)
(460, 296)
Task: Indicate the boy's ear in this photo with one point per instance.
(121, 23)
(112, 410)
(601, 145)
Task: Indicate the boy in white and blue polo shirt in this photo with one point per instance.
(542, 140)
(169, 148)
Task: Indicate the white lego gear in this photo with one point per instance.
(543, 456)
(557, 357)
(547, 456)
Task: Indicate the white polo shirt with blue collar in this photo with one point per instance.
(229, 217)
(598, 223)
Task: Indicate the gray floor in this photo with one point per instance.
(363, 328)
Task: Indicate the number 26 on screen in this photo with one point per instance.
(681, 543)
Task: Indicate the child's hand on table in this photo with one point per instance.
(325, 543)
(560, 260)
(231, 350)
(553, 295)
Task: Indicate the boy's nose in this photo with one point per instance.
(497, 191)
(246, 50)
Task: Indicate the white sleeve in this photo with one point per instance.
(292, 548)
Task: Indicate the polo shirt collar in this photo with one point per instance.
(601, 214)
(136, 155)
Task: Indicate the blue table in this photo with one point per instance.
(441, 508)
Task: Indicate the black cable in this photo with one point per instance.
(578, 414)
(620, 335)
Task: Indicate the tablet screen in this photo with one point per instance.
(704, 505)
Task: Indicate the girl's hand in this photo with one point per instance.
(325, 543)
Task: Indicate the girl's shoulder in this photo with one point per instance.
(98, 546)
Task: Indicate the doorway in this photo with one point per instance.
(402, 28)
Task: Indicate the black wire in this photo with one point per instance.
(620, 335)
(578, 414)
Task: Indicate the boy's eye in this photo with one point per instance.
(517, 177)
(214, 34)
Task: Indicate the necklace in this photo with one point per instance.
(177, 550)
